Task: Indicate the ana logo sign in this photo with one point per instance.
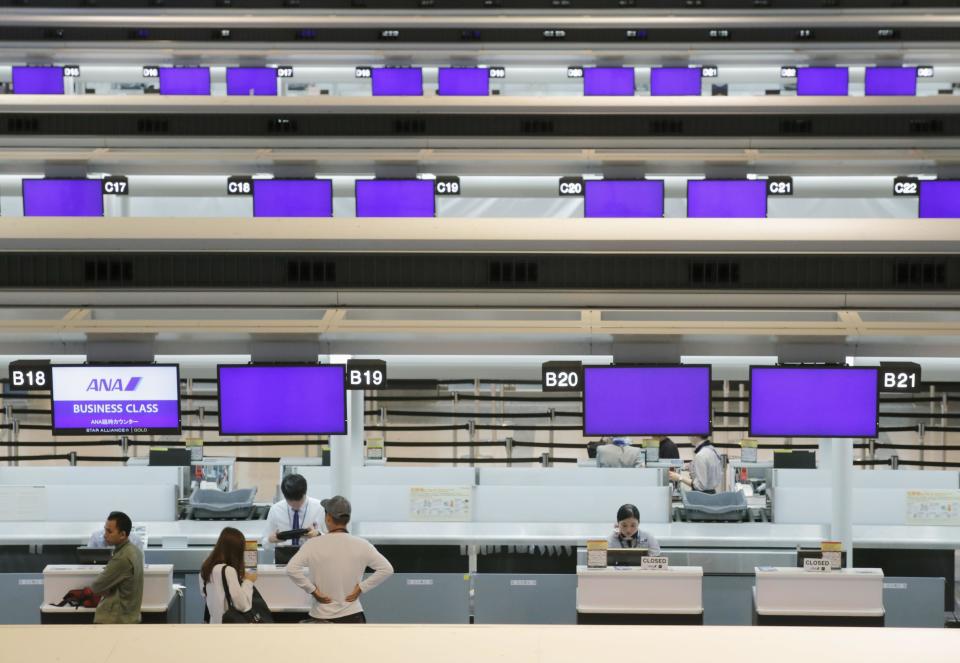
(115, 384)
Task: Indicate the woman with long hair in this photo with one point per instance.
(226, 560)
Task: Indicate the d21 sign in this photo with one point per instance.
(562, 376)
(366, 374)
(901, 377)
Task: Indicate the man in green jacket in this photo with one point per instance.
(121, 581)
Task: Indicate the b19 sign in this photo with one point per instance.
(562, 376)
(902, 377)
(366, 374)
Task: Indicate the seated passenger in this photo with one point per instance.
(628, 534)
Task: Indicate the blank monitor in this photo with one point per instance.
(646, 400)
(397, 82)
(623, 198)
(251, 81)
(727, 199)
(816, 401)
(823, 81)
(293, 198)
(608, 81)
(890, 81)
(940, 199)
(675, 82)
(37, 80)
(282, 399)
(62, 197)
(394, 198)
(463, 82)
(191, 81)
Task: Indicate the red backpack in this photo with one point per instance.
(80, 598)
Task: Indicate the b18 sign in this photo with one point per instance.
(29, 376)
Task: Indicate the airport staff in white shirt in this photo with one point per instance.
(336, 563)
(627, 533)
(706, 469)
(296, 510)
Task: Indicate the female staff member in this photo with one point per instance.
(226, 560)
(628, 533)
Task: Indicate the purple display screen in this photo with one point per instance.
(463, 82)
(726, 199)
(891, 81)
(255, 81)
(62, 198)
(38, 80)
(646, 400)
(675, 82)
(397, 82)
(823, 81)
(282, 400)
(120, 399)
(940, 199)
(293, 198)
(623, 198)
(813, 402)
(394, 198)
(185, 80)
(608, 81)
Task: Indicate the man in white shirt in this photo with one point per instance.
(336, 563)
(706, 470)
(296, 510)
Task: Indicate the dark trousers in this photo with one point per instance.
(356, 618)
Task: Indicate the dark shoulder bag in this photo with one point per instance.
(258, 614)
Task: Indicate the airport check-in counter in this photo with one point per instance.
(520, 568)
(631, 595)
(159, 595)
(790, 596)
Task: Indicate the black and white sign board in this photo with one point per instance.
(562, 376)
(900, 377)
(366, 374)
(26, 375)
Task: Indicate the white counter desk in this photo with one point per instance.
(287, 602)
(791, 596)
(58, 579)
(630, 595)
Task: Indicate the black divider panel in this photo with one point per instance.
(765, 122)
(19, 559)
(425, 558)
(472, 271)
(524, 562)
(916, 563)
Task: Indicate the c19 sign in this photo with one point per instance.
(562, 376)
